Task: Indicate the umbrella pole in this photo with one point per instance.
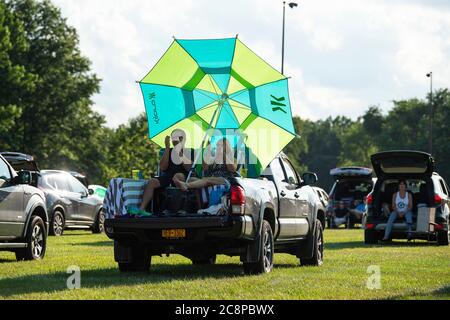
(199, 154)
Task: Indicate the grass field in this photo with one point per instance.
(408, 271)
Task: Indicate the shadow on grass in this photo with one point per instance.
(345, 245)
(104, 278)
(441, 293)
(109, 243)
(361, 244)
(407, 244)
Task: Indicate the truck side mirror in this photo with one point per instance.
(24, 177)
(310, 178)
(91, 191)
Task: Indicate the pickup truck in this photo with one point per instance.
(276, 213)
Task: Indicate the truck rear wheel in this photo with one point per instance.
(265, 261)
(131, 258)
(317, 258)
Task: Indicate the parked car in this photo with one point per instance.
(94, 189)
(277, 212)
(352, 183)
(80, 177)
(23, 214)
(70, 204)
(428, 189)
(97, 190)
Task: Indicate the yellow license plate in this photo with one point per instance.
(174, 233)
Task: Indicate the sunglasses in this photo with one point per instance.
(177, 138)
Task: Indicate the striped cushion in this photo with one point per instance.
(121, 195)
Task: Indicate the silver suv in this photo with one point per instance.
(429, 191)
(23, 214)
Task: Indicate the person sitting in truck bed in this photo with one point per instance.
(217, 169)
(175, 161)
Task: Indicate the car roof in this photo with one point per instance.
(55, 172)
(76, 174)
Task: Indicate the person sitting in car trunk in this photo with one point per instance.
(341, 214)
(358, 211)
(402, 203)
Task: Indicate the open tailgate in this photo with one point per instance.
(403, 163)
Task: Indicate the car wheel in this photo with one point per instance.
(57, 224)
(265, 262)
(443, 236)
(99, 226)
(370, 237)
(205, 261)
(317, 258)
(36, 240)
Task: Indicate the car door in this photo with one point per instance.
(12, 215)
(299, 199)
(86, 204)
(60, 184)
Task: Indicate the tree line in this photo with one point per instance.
(46, 89)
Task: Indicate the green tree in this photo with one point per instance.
(441, 132)
(357, 145)
(14, 78)
(131, 149)
(50, 89)
(405, 126)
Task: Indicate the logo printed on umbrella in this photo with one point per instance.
(278, 105)
(152, 98)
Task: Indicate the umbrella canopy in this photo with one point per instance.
(219, 83)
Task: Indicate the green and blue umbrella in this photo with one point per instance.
(219, 84)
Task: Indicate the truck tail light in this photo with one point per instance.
(370, 226)
(369, 199)
(437, 199)
(237, 200)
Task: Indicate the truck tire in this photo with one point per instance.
(99, 225)
(317, 258)
(443, 237)
(57, 224)
(205, 261)
(138, 261)
(265, 261)
(370, 237)
(36, 240)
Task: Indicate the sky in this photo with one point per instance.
(342, 56)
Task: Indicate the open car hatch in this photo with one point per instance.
(20, 161)
(403, 163)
